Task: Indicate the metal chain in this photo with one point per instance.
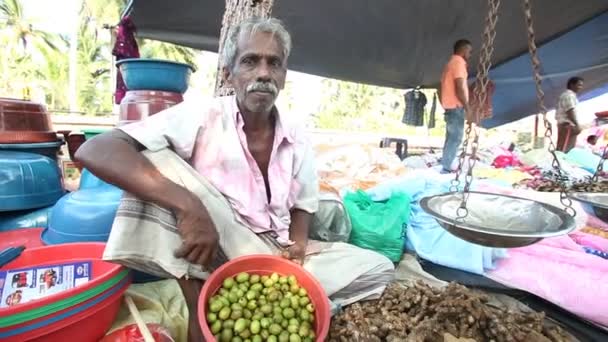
(540, 96)
(480, 94)
(600, 166)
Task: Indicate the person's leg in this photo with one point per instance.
(454, 119)
(561, 137)
(349, 273)
(572, 137)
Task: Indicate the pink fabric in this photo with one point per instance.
(559, 271)
(210, 136)
(125, 47)
(590, 240)
(595, 222)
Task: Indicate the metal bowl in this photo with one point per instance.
(498, 220)
(599, 202)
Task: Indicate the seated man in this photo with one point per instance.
(260, 185)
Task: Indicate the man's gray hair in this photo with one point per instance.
(251, 26)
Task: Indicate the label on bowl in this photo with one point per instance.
(26, 284)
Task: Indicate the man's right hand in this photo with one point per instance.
(199, 234)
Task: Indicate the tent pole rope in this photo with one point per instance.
(237, 11)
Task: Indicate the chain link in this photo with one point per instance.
(540, 97)
(480, 97)
(600, 166)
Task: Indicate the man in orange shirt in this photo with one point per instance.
(455, 100)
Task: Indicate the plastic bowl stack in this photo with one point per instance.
(29, 181)
(29, 173)
(153, 85)
(26, 126)
(82, 313)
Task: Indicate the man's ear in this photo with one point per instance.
(226, 75)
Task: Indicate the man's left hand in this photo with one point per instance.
(296, 253)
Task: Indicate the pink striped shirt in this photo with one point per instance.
(210, 136)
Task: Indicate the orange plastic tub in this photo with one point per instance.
(266, 265)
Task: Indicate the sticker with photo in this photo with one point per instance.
(23, 285)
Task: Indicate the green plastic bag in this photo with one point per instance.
(379, 226)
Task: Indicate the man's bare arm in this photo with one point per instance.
(300, 225)
(572, 117)
(115, 158)
(462, 91)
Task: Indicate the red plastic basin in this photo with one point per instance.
(86, 322)
(59, 254)
(266, 265)
(27, 237)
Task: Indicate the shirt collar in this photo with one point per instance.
(280, 130)
(459, 56)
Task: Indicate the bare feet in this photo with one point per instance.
(191, 289)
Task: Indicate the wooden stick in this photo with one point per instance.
(143, 328)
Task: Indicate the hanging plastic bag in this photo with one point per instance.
(379, 226)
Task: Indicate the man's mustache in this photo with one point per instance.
(263, 86)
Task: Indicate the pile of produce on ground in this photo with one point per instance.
(255, 308)
(420, 313)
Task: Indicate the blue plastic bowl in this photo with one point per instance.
(37, 218)
(89, 180)
(83, 215)
(87, 215)
(28, 181)
(155, 74)
(47, 149)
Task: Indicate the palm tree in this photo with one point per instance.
(25, 47)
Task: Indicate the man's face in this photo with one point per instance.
(578, 87)
(259, 71)
(466, 52)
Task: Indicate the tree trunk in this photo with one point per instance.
(236, 11)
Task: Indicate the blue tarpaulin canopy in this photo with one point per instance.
(405, 43)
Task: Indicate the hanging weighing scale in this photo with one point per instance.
(597, 200)
(498, 220)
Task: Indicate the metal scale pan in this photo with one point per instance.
(599, 202)
(498, 220)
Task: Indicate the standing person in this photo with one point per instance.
(455, 100)
(568, 128)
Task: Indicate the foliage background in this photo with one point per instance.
(39, 61)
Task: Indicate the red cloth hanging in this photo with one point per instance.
(480, 111)
(125, 47)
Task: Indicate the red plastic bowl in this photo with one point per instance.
(27, 237)
(49, 255)
(266, 265)
(24, 122)
(89, 324)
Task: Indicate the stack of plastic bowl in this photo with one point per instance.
(26, 126)
(153, 86)
(82, 313)
(29, 172)
(29, 182)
